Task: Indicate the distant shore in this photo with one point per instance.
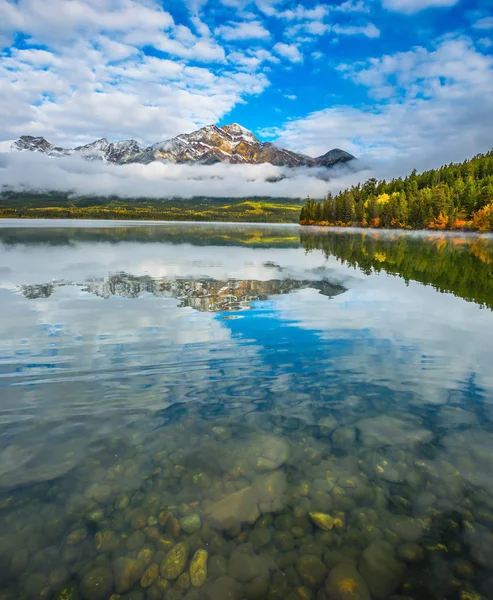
(198, 210)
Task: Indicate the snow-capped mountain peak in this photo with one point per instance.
(231, 143)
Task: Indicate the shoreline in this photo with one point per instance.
(6, 222)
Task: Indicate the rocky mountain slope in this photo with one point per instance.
(229, 143)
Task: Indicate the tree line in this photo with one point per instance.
(456, 196)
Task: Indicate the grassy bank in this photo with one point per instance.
(60, 206)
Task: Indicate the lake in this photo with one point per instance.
(227, 412)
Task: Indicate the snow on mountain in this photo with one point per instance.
(211, 144)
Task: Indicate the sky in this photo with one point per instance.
(398, 83)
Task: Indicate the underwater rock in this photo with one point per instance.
(480, 541)
(175, 561)
(223, 588)
(322, 520)
(385, 430)
(407, 528)
(150, 575)
(257, 588)
(311, 569)
(183, 581)
(327, 425)
(345, 583)
(234, 510)
(284, 541)
(99, 492)
(217, 566)
(136, 540)
(221, 433)
(191, 523)
(97, 584)
(344, 438)
(77, 536)
(410, 553)
(106, 541)
(267, 452)
(127, 572)
(198, 568)
(386, 467)
(381, 571)
(244, 566)
(269, 489)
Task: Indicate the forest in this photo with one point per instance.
(458, 196)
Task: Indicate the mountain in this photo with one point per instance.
(229, 143)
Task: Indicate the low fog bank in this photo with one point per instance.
(27, 171)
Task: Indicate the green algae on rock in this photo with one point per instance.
(345, 583)
(198, 568)
(175, 561)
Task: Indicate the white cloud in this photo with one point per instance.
(350, 6)
(439, 110)
(301, 13)
(485, 42)
(290, 96)
(289, 51)
(243, 31)
(484, 23)
(82, 87)
(57, 21)
(369, 30)
(26, 170)
(414, 6)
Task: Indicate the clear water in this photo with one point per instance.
(311, 409)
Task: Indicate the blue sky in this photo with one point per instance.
(404, 82)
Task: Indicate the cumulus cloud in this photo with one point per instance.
(433, 106)
(484, 23)
(289, 51)
(95, 74)
(76, 96)
(33, 171)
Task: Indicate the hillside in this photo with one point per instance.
(456, 196)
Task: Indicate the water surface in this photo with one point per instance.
(308, 413)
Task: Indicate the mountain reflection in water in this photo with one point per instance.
(205, 295)
(335, 442)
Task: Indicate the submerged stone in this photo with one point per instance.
(381, 571)
(191, 523)
(244, 566)
(407, 528)
(385, 430)
(345, 583)
(267, 452)
(198, 568)
(311, 569)
(410, 553)
(175, 561)
(322, 520)
(97, 584)
(150, 575)
(223, 588)
(230, 513)
(127, 572)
